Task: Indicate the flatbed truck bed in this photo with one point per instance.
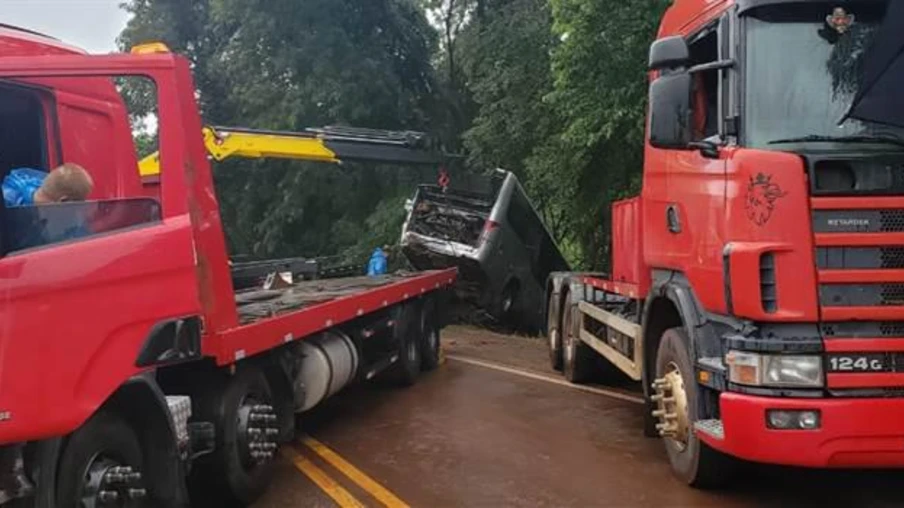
(310, 298)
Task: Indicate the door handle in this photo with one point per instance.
(672, 220)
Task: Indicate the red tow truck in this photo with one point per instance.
(131, 371)
(757, 283)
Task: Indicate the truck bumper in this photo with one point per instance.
(856, 433)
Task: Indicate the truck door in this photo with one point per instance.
(684, 191)
(84, 283)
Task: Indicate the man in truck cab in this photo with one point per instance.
(31, 226)
(26, 186)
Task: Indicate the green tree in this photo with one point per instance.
(561, 90)
(554, 90)
(599, 94)
(291, 64)
(505, 58)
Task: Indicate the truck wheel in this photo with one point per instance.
(101, 466)
(553, 336)
(247, 430)
(676, 395)
(430, 338)
(577, 357)
(408, 367)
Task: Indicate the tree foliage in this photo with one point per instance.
(291, 64)
(599, 93)
(561, 88)
(553, 90)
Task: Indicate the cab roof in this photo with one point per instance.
(683, 16)
(17, 41)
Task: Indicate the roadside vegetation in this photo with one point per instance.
(553, 90)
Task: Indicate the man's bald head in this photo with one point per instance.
(69, 182)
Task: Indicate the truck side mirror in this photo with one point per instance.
(669, 53)
(670, 111)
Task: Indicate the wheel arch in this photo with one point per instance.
(142, 404)
(671, 303)
(276, 367)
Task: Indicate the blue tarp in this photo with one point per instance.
(20, 185)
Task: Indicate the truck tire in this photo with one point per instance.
(577, 357)
(235, 474)
(101, 463)
(553, 335)
(692, 461)
(408, 367)
(430, 337)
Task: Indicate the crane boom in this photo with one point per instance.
(328, 144)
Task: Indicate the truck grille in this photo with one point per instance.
(891, 221)
(860, 258)
(858, 221)
(869, 272)
(863, 329)
(861, 295)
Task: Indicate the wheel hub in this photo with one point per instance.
(109, 483)
(670, 398)
(258, 433)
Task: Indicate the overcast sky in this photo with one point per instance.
(89, 24)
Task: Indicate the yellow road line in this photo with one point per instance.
(354, 474)
(539, 377)
(329, 486)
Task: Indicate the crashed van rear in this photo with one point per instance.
(491, 232)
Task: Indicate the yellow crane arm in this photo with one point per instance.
(223, 144)
(332, 145)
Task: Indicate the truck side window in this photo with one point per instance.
(21, 128)
(29, 132)
(706, 87)
(28, 227)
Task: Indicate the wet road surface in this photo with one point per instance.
(471, 435)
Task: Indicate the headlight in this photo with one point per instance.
(774, 370)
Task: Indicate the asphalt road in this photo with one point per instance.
(484, 432)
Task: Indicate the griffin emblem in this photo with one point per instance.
(762, 193)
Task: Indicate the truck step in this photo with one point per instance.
(180, 412)
(713, 428)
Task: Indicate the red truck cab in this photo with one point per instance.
(789, 228)
(756, 285)
(127, 359)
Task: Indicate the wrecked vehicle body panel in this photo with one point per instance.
(495, 238)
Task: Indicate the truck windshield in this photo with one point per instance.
(803, 71)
